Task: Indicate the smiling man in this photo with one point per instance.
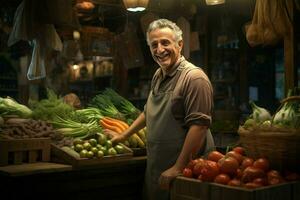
(177, 113)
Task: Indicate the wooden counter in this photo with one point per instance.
(122, 179)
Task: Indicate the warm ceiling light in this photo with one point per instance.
(214, 2)
(135, 5)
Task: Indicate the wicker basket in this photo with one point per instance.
(280, 146)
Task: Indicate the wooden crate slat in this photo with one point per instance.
(66, 158)
(190, 189)
(32, 156)
(19, 149)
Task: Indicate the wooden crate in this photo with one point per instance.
(192, 189)
(66, 157)
(18, 151)
(139, 151)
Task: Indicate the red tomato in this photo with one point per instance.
(239, 150)
(292, 176)
(210, 170)
(235, 155)
(191, 164)
(275, 181)
(251, 173)
(187, 172)
(222, 179)
(228, 165)
(239, 173)
(200, 177)
(234, 182)
(246, 163)
(198, 167)
(261, 181)
(273, 174)
(252, 185)
(215, 156)
(262, 163)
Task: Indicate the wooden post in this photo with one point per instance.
(289, 53)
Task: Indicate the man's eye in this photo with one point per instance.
(165, 43)
(153, 45)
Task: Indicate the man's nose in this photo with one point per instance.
(160, 48)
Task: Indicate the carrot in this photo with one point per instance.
(110, 127)
(124, 124)
(114, 122)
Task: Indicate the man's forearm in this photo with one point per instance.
(138, 124)
(194, 141)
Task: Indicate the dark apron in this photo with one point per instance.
(165, 139)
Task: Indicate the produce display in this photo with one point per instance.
(277, 136)
(97, 148)
(16, 128)
(235, 168)
(287, 116)
(118, 126)
(76, 131)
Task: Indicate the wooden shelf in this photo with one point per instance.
(8, 90)
(8, 78)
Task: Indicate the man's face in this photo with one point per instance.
(164, 49)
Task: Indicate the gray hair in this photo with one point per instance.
(165, 23)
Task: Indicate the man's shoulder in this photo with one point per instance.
(193, 72)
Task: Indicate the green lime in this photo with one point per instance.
(83, 153)
(108, 144)
(126, 143)
(87, 145)
(77, 141)
(93, 142)
(99, 146)
(100, 154)
(120, 149)
(112, 151)
(90, 154)
(78, 147)
(94, 150)
(104, 150)
(102, 138)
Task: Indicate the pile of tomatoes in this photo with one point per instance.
(236, 169)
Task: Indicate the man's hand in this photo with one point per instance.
(114, 136)
(167, 177)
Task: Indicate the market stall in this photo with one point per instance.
(70, 79)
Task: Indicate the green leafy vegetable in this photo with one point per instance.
(106, 107)
(122, 104)
(8, 106)
(48, 109)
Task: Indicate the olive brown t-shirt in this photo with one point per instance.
(192, 99)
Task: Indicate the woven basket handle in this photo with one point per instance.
(291, 98)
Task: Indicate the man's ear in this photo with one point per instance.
(180, 44)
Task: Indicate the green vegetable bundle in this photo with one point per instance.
(75, 129)
(8, 106)
(288, 115)
(122, 104)
(48, 109)
(88, 114)
(106, 107)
